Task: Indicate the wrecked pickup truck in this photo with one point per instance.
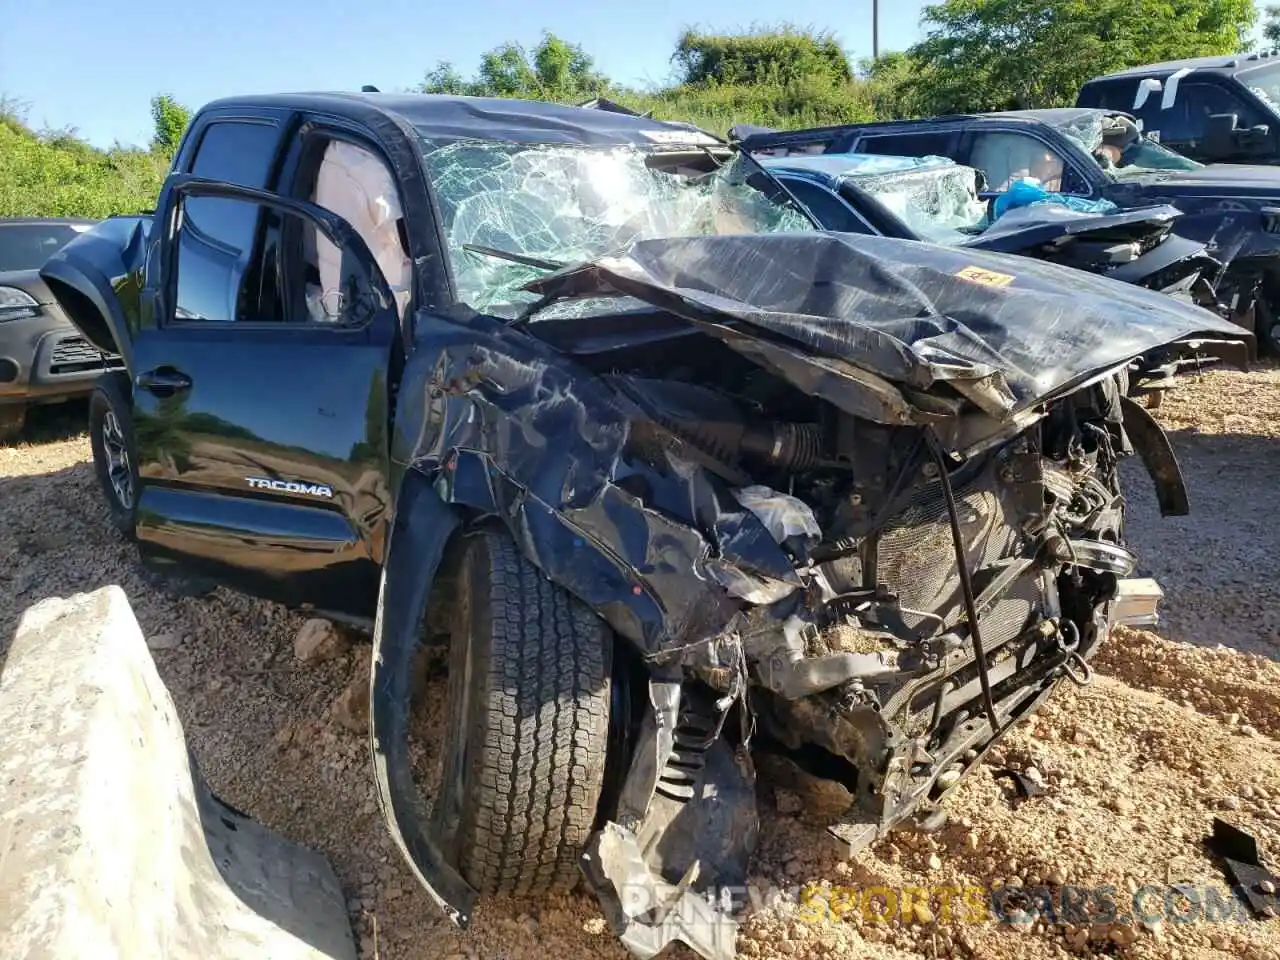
(682, 480)
(1097, 155)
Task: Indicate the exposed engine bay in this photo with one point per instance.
(842, 507)
(865, 672)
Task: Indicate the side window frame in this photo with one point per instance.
(1246, 112)
(1070, 166)
(158, 304)
(836, 199)
(952, 134)
(1117, 94)
(195, 143)
(186, 186)
(432, 287)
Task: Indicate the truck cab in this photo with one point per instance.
(1211, 109)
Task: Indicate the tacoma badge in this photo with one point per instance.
(290, 486)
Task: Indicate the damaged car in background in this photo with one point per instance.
(678, 480)
(1101, 157)
(937, 200)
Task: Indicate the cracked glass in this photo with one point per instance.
(573, 204)
(936, 198)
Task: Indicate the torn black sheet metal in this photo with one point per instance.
(1153, 447)
(1253, 880)
(1232, 214)
(917, 315)
(507, 427)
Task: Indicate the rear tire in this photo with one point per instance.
(13, 417)
(528, 724)
(114, 450)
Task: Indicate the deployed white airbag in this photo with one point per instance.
(357, 186)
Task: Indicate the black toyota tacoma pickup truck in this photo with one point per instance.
(682, 480)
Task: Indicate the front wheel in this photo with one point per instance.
(114, 450)
(528, 724)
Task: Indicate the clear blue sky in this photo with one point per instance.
(95, 65)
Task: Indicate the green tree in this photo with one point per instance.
(554, 70)
(170, 119)
(55, 173)
(772, 76)
(445, 78)
(781, 55)
(1271, 26)
(1008, 54)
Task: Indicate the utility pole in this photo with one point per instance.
(875, 30)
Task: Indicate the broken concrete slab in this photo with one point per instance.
(109, 834)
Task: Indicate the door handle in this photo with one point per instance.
(163, 382)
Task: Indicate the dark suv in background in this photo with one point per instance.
(43, 358)
(1212, 109)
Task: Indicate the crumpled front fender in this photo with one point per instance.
(97, 280)
(420, 531)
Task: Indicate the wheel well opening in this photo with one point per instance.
(82, 312)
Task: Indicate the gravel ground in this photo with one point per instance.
(1178, 726)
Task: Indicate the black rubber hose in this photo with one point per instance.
(966, 583)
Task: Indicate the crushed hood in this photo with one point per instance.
(895, 330)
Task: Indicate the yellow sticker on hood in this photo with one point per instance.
(989, 277)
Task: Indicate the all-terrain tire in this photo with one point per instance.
(528, 723)
(110, 426)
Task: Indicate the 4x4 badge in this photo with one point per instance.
(290, 486)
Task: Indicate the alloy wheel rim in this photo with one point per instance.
(118, 470)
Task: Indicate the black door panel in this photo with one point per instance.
(261, 417)
(295, 554)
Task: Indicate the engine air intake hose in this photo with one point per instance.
(794, 445)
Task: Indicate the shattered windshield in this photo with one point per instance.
(938, 200)
(1121, 149)
(565, 205)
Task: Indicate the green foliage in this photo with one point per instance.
(898, 86)
(1271, 26)
(717, 107)
(976, 55)
(784, 77)
(171, 119)
(1010, 54)
(774, 77)
(555, 70)
(781, 55)
(57, 174)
